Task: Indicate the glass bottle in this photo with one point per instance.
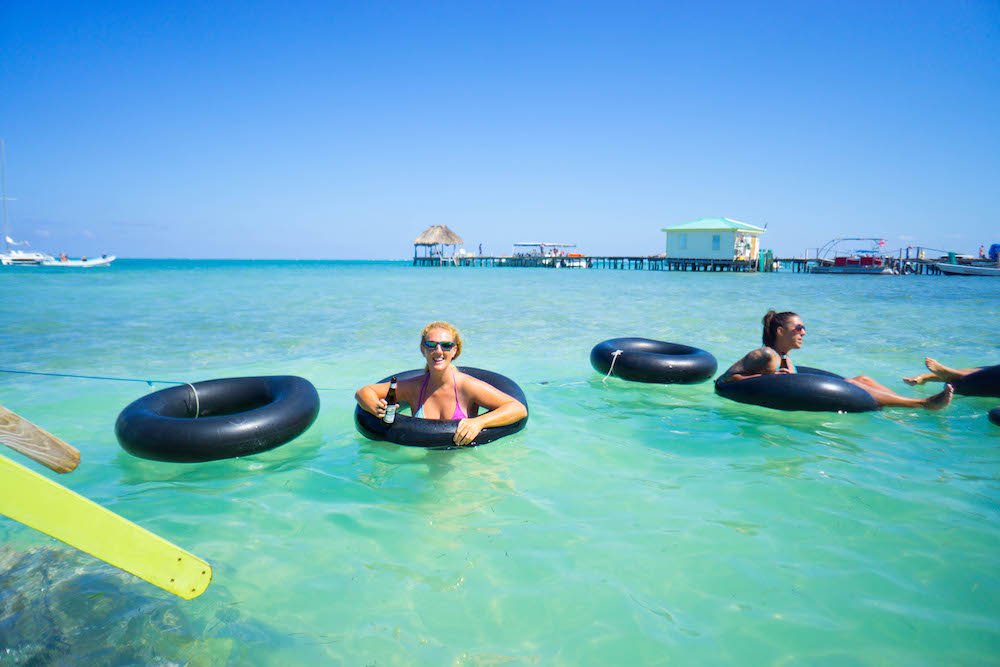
(390, 398)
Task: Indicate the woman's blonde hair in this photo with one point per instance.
(450, 328)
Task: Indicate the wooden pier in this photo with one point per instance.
(657, 263)
(621, 263)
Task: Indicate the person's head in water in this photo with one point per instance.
(441, 344)
(783, 331)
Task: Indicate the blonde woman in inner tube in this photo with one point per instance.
(444, 392)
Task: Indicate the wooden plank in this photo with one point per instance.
(22, 436)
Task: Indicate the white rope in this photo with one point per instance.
(614, 358)
(197, 405)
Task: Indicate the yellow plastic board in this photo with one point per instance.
(51, 508)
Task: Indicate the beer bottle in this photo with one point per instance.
(390, 398)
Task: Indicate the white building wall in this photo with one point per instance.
(700, 244)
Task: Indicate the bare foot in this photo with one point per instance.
(917, 379)
(933, 366)
(941, 400)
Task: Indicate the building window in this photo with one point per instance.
(716, 241)
(682, 242)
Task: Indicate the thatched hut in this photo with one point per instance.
(437, 241)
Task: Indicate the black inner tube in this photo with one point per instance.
(218, 419)
(984, 382)
(647, 360)
(809, 389)
(438, 433)
(995, 416)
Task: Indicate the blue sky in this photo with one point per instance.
(344, 129)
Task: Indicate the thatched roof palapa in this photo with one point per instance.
(438, 235)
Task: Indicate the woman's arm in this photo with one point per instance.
(755, 363)
(371, 398)
(502, 409)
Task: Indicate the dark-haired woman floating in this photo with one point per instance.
(784, 332)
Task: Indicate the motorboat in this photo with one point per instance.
(13, 257)
(870, 262)
(975, 269)
(83, 262)
(987, 264)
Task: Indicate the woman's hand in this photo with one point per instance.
(467, 431)
(368, 398)
(381, 407)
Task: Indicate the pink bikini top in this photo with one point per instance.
(458, 414)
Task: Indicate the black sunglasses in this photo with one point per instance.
(446, 345)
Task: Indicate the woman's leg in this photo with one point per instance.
(947, 374)
(886, 397)
(922, 378)
(938, 373)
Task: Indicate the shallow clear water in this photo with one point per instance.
(626, 524)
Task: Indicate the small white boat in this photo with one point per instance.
(969, 269)
(22, 257)
(83, 262)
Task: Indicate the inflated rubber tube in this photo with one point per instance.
(995, 416)
(984, 382)
(438, 433)
(646, 360)
(218, 419)
(809, 389)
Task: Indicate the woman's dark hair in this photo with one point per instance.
(771, 322)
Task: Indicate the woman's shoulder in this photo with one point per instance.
(472, 385)
(466, 380)
(410, 383)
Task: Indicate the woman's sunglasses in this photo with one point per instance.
(446, 345)
(799, 328)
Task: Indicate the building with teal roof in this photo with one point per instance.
(714, 238)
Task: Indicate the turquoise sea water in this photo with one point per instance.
(627, 524)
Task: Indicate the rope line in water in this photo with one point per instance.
(118, 379)
(93, 377)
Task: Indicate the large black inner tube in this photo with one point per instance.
(984, 382)
(218, 419)
(438, 433)
(995, 416)
(810, 389)
(646, 360)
